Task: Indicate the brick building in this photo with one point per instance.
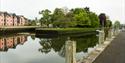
(11, 19)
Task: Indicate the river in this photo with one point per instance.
(28, 48)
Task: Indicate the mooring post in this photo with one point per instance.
(110, 34)
(101, 37)
(118, 31)
(70, 51)
(114, 32)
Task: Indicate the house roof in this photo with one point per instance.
(12, 14)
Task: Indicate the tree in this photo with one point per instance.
(94, 19)
(81, 16)
(57, 14)
(78, 17)
(117, 25)
(46, 19)
(62, 19)
(109, 23)
(33, 23)
(102, 19)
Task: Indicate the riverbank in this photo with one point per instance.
(16, 29)
(63, 31)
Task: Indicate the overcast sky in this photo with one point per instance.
(115, 9)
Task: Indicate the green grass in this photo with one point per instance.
(69, 30)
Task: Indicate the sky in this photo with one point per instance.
(115, 9)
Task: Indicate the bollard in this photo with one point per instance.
(109, 34)
(117, 31)
(70, 52)
(101, 36)
(114, 33)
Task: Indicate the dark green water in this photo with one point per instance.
(21, 48)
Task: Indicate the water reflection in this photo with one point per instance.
(46, 45)
(83, 42)
(7, 42)
(42, 49)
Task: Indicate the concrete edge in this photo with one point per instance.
(97, 51)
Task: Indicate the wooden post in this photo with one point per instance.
(70, 51)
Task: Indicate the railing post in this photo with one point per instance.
(70, 51)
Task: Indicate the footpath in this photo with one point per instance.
(114, 52)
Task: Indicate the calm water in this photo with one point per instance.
(21, 48)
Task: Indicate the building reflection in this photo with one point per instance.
(11, 42)
(83, 42)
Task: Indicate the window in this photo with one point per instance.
(2, 43)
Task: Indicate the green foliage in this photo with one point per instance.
(61, 20)
(74, 18)
(94, 19)
(46, 16)
(57, 15)
(117, 25)
(83, 42)
(108, 23)
(32, 23)
(81, 16)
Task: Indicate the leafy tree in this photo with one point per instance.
(32, 23)
(94, 19)
(102, 19)
(78, 17)
(108, 23)
(46, 19)
(62, 19)
(117, 25)
(58, 14)
(81, 16)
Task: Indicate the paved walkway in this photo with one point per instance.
(115, 52)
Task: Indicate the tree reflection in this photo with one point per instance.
(46, 45)
(83, 42)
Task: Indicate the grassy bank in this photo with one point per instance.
(63, 30)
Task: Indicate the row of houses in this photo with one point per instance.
(11, 42)
(11, 19)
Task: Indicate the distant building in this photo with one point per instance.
(2, 18)
(11, 19)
